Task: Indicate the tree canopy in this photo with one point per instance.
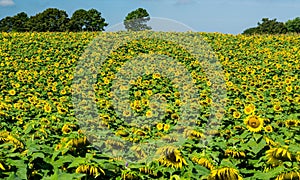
(293, 25)
(90, 20)
(16, 23)
(136, 20)
(272, 26)
(54, 20)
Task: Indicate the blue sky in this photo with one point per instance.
(225, 16)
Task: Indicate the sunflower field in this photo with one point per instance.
(245, 90)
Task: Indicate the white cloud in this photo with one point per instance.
(7, 3)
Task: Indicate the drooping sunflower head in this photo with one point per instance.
(203, 161)
(235, 153)
(293, 175)
(170, 156)
(225, 173)
(277, 155)
(254, 123)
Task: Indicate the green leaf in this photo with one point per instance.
(270, 174)
(77, 161)
(258, 147)
(37, 155)
(21, 166)
(257, 137)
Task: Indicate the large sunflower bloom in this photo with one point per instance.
(254, 123)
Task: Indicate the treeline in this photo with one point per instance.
(272, 26)
(54, 20)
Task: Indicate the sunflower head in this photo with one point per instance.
(170, 156)
(225, 173)
(277, 155)
(235, 153)
(268, 129)
(236, 114)
(254, 123)
(293, 175)
(203, 161)
(291, 123)
(249, 109)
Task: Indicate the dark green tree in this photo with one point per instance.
(90, 20)
(6, 24)
(293, 25)
(271, 27)
(19, 22)
(137, 19)
(267, 26)
(52, 20)
(251, 31)
(16, 23)
(77, 21)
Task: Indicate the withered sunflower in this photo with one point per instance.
(225, 173)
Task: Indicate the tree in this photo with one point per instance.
(293, 25)
(90, 20)
(251, 31)
(6, 24)
(136, 20)
(52, 20)
(19, 22)
(267, 26)
(271, 27)
(16, 23)
(77, 22)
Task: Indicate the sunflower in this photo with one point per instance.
(167, 127)
(293, 175)
(67, 128)
(254, 123)
(249, 109)
(92, 170)
(236, 114)
(12, 92)
(277, 107)
(170, 156)
(234, 153)
(277, 155)
(47, 108)
(203, 161)
(149, 114)
(289, 88)
(291, 123)
(156, 76)
(270, 142)
(160, 126)
(268, 128)
(225, 173)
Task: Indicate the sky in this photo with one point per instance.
(224, 16)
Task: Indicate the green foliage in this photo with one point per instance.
(90, 20)
(35, 68)
(267, 26)
(293, 25)
(52, 20)
(137, 19)
(16, 23)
